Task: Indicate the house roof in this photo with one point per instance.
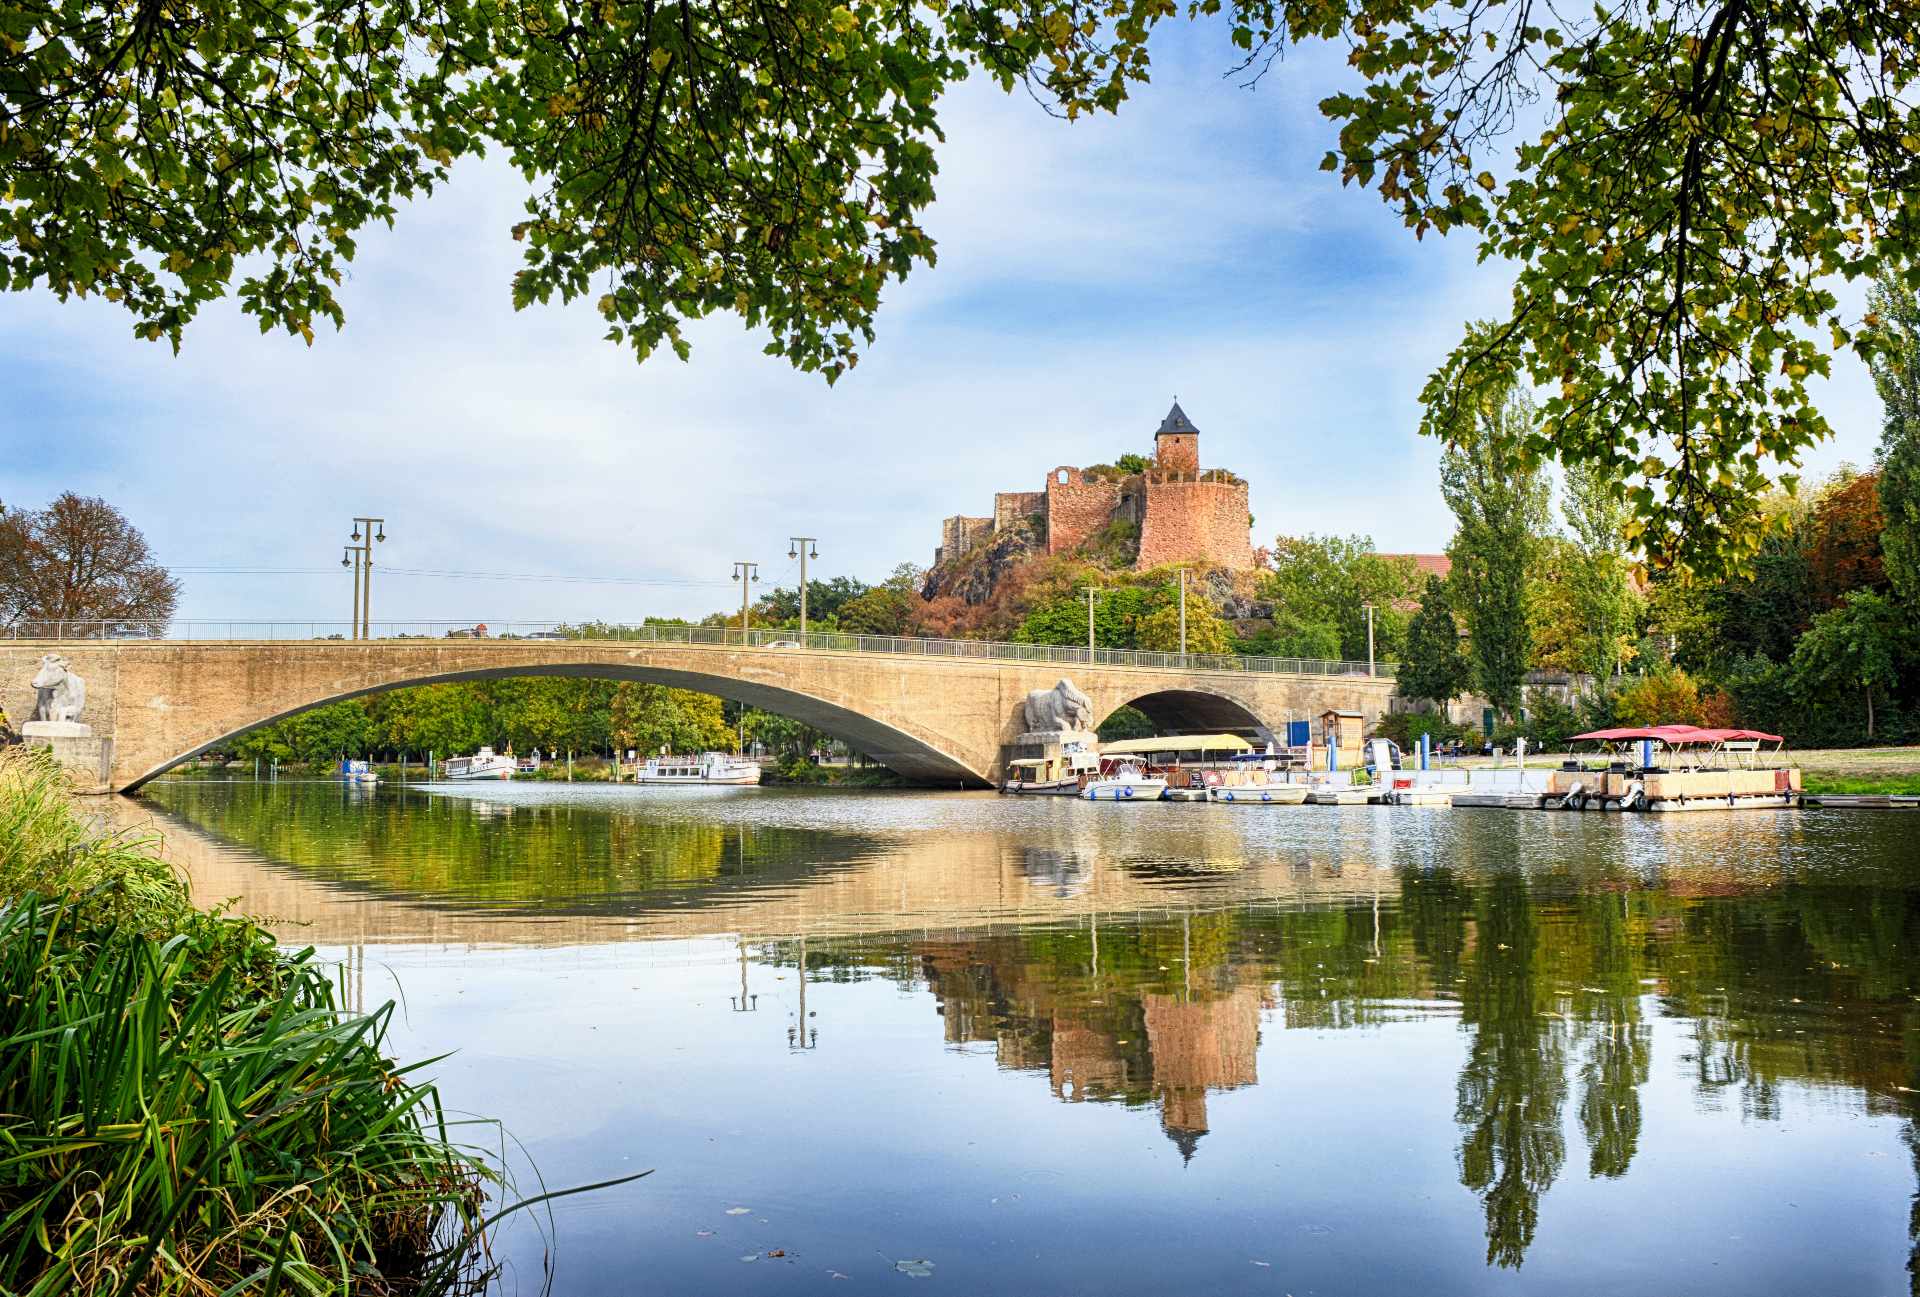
(1176, 421)
(1429, 564)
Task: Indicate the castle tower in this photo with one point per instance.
(1176, 447)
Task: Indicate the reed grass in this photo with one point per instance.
(184, 1109)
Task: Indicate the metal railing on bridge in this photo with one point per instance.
(713, 636)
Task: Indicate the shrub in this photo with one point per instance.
(1668, 697)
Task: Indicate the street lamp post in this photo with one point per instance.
(746, 574)
(1090, 592)
(1183, 612)
(350, 557)
(365, 532)
(797, 547)
(1369, 608)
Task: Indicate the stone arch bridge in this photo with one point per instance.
(940, 712)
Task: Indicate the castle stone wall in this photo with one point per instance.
(1196, 522)
(1077, 508)
(1011, 507)
(959, 534)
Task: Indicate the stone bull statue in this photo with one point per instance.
(60, 695)
(1059, 709)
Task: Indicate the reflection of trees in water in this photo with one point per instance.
(1515, 1078)
(514, 857)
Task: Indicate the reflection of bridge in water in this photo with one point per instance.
(947, 882)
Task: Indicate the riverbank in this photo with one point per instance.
(185, 1108)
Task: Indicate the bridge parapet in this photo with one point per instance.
(68, 632)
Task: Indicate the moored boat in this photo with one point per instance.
(1058, 773)
(355, 771)
(1124, 781)
(484, 764)
(1680, 768)
(1260, 795)
(705, 768)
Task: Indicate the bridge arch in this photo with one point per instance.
(1194, 710)
(916, 756)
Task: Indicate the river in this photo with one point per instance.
(875, 1041)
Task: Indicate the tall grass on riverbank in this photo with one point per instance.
(183, 1108)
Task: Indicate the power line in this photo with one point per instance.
(536, 577)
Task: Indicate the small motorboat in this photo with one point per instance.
(1124, 782)
(354, 771)
(1260, 794)
(484, 764)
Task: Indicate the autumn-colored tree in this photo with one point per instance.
(1667, 697)
(79, 560)
(1843, 539)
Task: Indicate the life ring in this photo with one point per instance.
(1213, 778)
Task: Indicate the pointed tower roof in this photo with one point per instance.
(1176, 421)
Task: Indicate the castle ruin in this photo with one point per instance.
(1179, 513)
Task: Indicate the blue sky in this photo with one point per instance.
(1087, 274)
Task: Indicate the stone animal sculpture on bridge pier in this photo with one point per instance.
(1062, 709)
(59, 694)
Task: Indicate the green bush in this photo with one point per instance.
(1405, 728)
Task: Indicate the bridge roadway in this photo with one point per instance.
(936, 711)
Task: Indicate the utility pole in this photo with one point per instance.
(1369, 608)
(1090, 591)
(746, 574)
(365, 532)
(1183, 612)
(797, 547)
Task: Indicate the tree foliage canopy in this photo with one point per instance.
(1679, 186)
(79, 559)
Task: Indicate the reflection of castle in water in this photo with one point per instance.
(1168, 1048)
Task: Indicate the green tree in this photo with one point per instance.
(1857, 646)
(880, 611)
(1159, 629)
(1321, 582)
(648, 718)
(1502, 511)
(1433, 666)
(1599, 580)
(1117, 611)
(1896, 375)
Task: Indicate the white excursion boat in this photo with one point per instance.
(484, 764)
(1125, 782)
(707, 768)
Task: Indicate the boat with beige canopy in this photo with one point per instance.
(1678, 768)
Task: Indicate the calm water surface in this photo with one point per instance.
(1053, 1048)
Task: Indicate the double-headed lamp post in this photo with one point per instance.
(1369, 608)
(746, 574)
(799, 547)
(359, 556)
